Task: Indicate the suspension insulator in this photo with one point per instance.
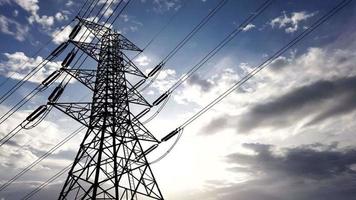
(35, 114)
(68, 59)
(142, 113)
(170, 135)
(160, 99)
(75, 31)
(57, 92)
(138, 84)
(59, 49)
(156, 69)
(51, 78)
(149, 150)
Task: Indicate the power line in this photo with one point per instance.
(18, 128)
(257, 69)
(180, 45)
(49, 58)
(38, 160)
(222, 44)
(195, 30)
(165, 26)
(43, 46)
(264, 64)
(36, 90)
(44, 184)
(212, 53)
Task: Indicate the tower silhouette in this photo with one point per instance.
(111, 162)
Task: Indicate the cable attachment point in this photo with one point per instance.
(59, 49)
(156, 69)
(171, 134)
(142, 113)
(35, 114)
(75, 31)
(69, 58)
(161, 98)
(57, 92)
(149, 150)
(51, 78)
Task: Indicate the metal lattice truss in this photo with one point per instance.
(111, 161)
(93, 50)
(123, 172)
(100, 30)
(85, 76)
(81, 112)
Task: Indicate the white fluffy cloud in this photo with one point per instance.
(143, 61)
(248, 27)
(161, 6)
(32, 7)
(28, 145)
(165, 79)
(290, 23)
(69, 3)
(12, 27)
(60, 16)
(284, 80)
(19, 65)
(60, 36)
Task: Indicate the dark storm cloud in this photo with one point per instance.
(279, 63)
(310, 162)
(20, 189)
(302, 102)
(324, 99)
(347, 105)
(215, 125)
(320, 172)
(202, 83)
(66, 154)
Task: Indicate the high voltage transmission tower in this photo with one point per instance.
(111, 162)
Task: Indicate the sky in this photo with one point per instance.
(287, 133)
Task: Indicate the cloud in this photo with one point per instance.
(297, 173)
(4, 2)
(142, 61)
(108, 7)
(162, 6)
(290, 23)
(69, 3)
(328, 161)
(21, 64)
(60, 16)
(215, 125)
(299, 103)
(204, 84)
(15, 13)
(165, 79)
(201, 90)
(12, 27)
(295, 91)
(60, 35)
(248, 27)
(32, 6)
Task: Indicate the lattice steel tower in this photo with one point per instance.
(111, 161)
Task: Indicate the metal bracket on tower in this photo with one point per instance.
(85, 76)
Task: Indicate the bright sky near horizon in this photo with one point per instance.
(288, 133)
